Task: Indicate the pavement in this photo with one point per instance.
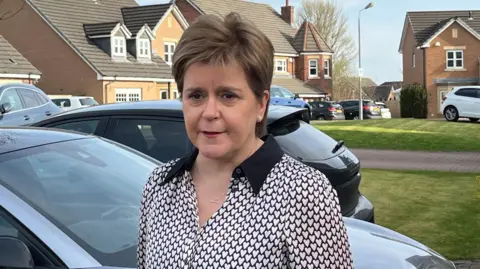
(419, 160)
(468, 264)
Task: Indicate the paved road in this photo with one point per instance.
(468, 264)
(409, 160)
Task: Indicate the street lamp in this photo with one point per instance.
(360, 72)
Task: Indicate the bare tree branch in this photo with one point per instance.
(9, 14)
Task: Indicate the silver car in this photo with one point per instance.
(69, 200)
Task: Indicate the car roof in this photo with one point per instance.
(166, 108)
(16, 84)
(17, 138)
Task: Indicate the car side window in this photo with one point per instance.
(286, 93)
(467, 92)
(29, 97)
(161, 139)
(8, 228)
(87, 126)
(11, 96)
(41, 98)
(62, 102)
(275, 92)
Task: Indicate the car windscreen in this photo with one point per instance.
(87, 102)
(302, 141)
(89, 188)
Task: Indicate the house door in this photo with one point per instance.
(128, 95)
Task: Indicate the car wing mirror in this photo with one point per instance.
(15, 254)
(5, 108)
(296, 96)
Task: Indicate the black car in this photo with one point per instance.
(157, 128)
(351, 109)
(24, 104)
(326, 110)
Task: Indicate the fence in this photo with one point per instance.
(394, 107)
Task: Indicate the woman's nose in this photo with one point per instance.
(211, 109)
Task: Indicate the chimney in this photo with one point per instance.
(470, 16)
(287, 13)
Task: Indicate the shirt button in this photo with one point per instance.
(238, 171)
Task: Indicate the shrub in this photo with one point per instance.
(413, 102)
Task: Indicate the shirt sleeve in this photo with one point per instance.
(315, 232)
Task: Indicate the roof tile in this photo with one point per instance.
(12, 62)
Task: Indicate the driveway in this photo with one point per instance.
(421, 160)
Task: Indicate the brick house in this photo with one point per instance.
(113, 50)
(440, 50)
(302, 59)
(14, 68)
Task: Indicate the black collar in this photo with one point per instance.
(256, 168)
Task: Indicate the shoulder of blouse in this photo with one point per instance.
(306, 178)
(158, 176)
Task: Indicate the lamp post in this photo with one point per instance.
(360, 72)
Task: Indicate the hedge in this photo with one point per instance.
(413, 102)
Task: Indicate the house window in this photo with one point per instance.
(169, 50)
(128, 95)
(326, 68)
(281, 65)
(413, 61)
(163, 94)
(118, 44)
(454, 59)
(175, 94)
(313, 67)
(144, 48)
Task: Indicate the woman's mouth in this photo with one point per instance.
(211, 134)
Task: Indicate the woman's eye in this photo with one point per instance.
(229, 96)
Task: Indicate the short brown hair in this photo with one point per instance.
(213, 40)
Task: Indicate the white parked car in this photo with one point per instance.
(384, 110)
(462, 102)
(69, 102)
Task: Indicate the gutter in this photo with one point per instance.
(105, 88)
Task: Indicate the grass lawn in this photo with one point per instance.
(405, 134)
(438, 209)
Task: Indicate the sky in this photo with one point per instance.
(381, 29)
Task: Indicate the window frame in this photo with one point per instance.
(169, 53)
(310, 68)
(283, 65)
(146, 48)
(326, 66)
(99, 131)
(414, 60)
(19, 91)
(162, 92)
(121, 46)
(127, 92)
(454, 59)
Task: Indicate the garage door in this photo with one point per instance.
(128, 95)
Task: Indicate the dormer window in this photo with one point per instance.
(119, 46)
(143, 47)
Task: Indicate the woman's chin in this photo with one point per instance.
(213, 151)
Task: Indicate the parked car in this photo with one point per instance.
(24, 104)
(327, 110)
(384, 110)
(71, 200)
(351, 109)
(157, 128)
(281, 96)
(462, 102)
(69, 102)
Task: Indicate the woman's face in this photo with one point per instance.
(220, 109)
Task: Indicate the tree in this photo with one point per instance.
(332, 26)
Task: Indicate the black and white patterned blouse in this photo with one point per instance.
(279, 213)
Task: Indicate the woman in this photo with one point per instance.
(237, 200)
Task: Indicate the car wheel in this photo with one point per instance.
(451, 113)
(473, 119)
(320, 117)
(306, 116)
(356, 118)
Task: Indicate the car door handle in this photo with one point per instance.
(48, 113)
(26, 117)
